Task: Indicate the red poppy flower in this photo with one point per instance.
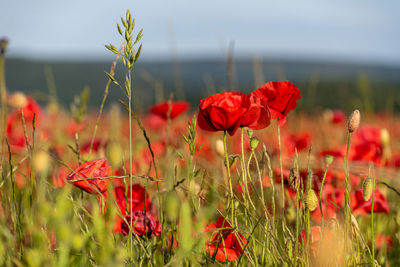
(222, 112)
(143, 224)
(338, 116)
(281, 97)
(225, 244)
(91, 173)
(299, 141)
(169, 109)
(138, 201)
(32, 109)
(359, 206)
(384, 240)
(257, 115)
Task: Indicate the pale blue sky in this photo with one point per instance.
(364, 30)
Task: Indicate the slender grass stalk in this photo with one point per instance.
(229, 180)
(112, 71)
(130, 164)
(320, 193)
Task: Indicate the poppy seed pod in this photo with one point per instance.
(311, 200)
(354, 121)
(254, 143)
(328, 160)
(367, 188)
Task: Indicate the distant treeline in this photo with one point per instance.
(323, 85)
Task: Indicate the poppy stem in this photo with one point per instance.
(3, 97)
(230, 181)
(320, 194)
(281, 168)
(347, 201)
(372, 216)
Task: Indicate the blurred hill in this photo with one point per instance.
(323, 84)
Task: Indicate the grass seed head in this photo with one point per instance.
(293, 179)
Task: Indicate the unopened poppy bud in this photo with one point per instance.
(254, 143)
(250, 132)
(293, 179)
(232, 160)
(328, 160)
(172, 205)
(311, 200)
(367, 188)
(385, 137)
(114, 153)
(354, 121)
(40, 161)
(17, 100)
(219, 147)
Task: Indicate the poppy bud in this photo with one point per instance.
(385, 138)
(219, 147)
(40, 161)
(328, 160)
(254, 143)
(114, 153)
(367, 188)
(311, 200)
(250, 132)
(17, 100)
(354, 121)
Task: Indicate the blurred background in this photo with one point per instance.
(341, 54)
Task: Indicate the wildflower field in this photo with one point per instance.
(238, 179)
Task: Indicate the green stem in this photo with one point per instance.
(3, 99)
(320, 194)
(281, 168)
(130, 164)
(347, 209)
(372, 220)
(230, 181)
